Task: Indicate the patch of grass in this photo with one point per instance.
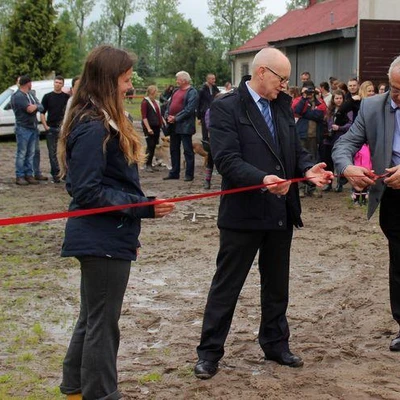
(26, 357)
(5, 378)
(151, 377)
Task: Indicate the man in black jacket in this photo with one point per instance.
(206, 96)
(253, 142)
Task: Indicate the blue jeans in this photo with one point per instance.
(52, 139)
(26, 145)
(36, 158)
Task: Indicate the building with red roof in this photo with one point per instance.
(340, 38)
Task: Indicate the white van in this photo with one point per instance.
(7, 118)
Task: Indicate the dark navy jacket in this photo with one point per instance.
(98, 178)
(244, 152)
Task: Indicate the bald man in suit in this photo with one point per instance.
(378, 124)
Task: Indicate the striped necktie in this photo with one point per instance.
(265, 110)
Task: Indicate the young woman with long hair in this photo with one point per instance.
(338, 122)
(99, 152)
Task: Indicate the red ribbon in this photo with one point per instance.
(79, 213)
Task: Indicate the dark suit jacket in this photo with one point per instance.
(374, 125)
(244, 152)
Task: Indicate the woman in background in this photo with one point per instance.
(338, 122)
(152, 121)
(99, 152)
(164, 98)
(363, 156)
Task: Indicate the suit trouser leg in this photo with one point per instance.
(235, 257)
(273, 264)
(390, 224)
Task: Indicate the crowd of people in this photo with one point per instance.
(262, 133)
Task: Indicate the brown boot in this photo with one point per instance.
(31, 180)
(41, 178)
(74, 396)
(21, 182)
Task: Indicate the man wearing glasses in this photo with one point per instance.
(378, 124)
(253, 142)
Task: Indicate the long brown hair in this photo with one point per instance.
(332, 105)
(97, 93)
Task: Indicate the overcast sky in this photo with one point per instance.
(197, 11)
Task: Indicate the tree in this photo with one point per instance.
(6, 10)
(162, 17)
(32, 42)
(295, 4)
(135, 38)
(190, 54)
(117, 11)
(234, 20)
(99, 32)
(80, 10)
(72, 55)
(268, 20)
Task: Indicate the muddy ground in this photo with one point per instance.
(339, 304)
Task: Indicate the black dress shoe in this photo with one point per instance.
(395, 343)
(205, 369)
(188, 178)
(169, 177)
(285, 358)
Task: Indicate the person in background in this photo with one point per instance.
(383, 87)
(152, 121)
(309, 109)
(333, 83)
(206, 145)
(247, 142)
(181, 118)
(305, 76)
(99, 151)
(25, 107)
(74, 86)
(228, 87)
(54, 105)
(337, 124)
(363, 157)
(293, 91)
(378, 123)
(206, 96)
(164, 98)
(325, 92)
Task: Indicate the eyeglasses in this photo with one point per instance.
(281, 78)
(395, 90)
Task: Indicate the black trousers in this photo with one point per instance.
(236, 255)
(51, 140)
(390, 224)
(152, 142)
(176, 140)
(90, 365)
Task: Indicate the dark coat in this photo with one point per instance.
(205, 99)
(185, 120)
(244, 154)
(98, 178)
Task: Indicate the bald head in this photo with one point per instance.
(270, 73)
(271, 57)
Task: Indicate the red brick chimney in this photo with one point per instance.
(312, 3)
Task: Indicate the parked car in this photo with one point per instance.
(7, 118)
